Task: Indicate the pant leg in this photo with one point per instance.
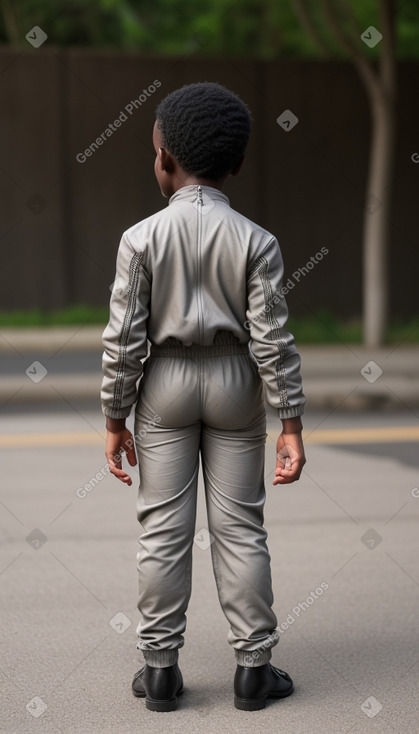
(233, 458)
(167, 440)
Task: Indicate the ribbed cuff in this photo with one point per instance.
(160, 658)
(110, 413)
(293, 412)
(254, 658)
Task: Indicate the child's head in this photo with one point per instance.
(201, 133)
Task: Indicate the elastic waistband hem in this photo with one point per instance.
(198, 350)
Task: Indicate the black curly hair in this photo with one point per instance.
(206, 127)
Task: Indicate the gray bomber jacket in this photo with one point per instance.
(188, 271)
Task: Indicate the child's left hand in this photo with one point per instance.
(116, 443)
(290, 457)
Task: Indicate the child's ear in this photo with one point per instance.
(166, 161)
(237, 168)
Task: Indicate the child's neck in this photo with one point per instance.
(188, 180)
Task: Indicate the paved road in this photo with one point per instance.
(344, 546)
(45, 367)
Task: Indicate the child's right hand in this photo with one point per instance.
(116, 443)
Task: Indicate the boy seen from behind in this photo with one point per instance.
(200, 285)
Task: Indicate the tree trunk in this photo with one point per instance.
(380, 87)
(376, 220)
(10, 24)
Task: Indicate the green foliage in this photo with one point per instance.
(323, 327)
(264, 29)
(70, 316)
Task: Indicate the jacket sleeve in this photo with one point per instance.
(125, 336)
(270, 344)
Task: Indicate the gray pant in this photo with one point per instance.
(202, 400)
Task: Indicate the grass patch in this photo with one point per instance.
(320, 328)
(324, 328)
(71, 316)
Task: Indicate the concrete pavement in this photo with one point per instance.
(344, 548)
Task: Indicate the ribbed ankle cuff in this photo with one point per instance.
(160, 658)
(253, 658)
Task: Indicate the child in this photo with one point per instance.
(202, 284)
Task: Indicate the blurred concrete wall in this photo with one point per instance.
(62, 218)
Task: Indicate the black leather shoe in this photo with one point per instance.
(252, 686)
(159, 686)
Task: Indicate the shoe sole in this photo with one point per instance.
(159, 704)
(152, 705)
(256, 704)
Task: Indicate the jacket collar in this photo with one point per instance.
(189, 193)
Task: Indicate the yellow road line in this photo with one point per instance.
(51, 439)
(380, 434)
